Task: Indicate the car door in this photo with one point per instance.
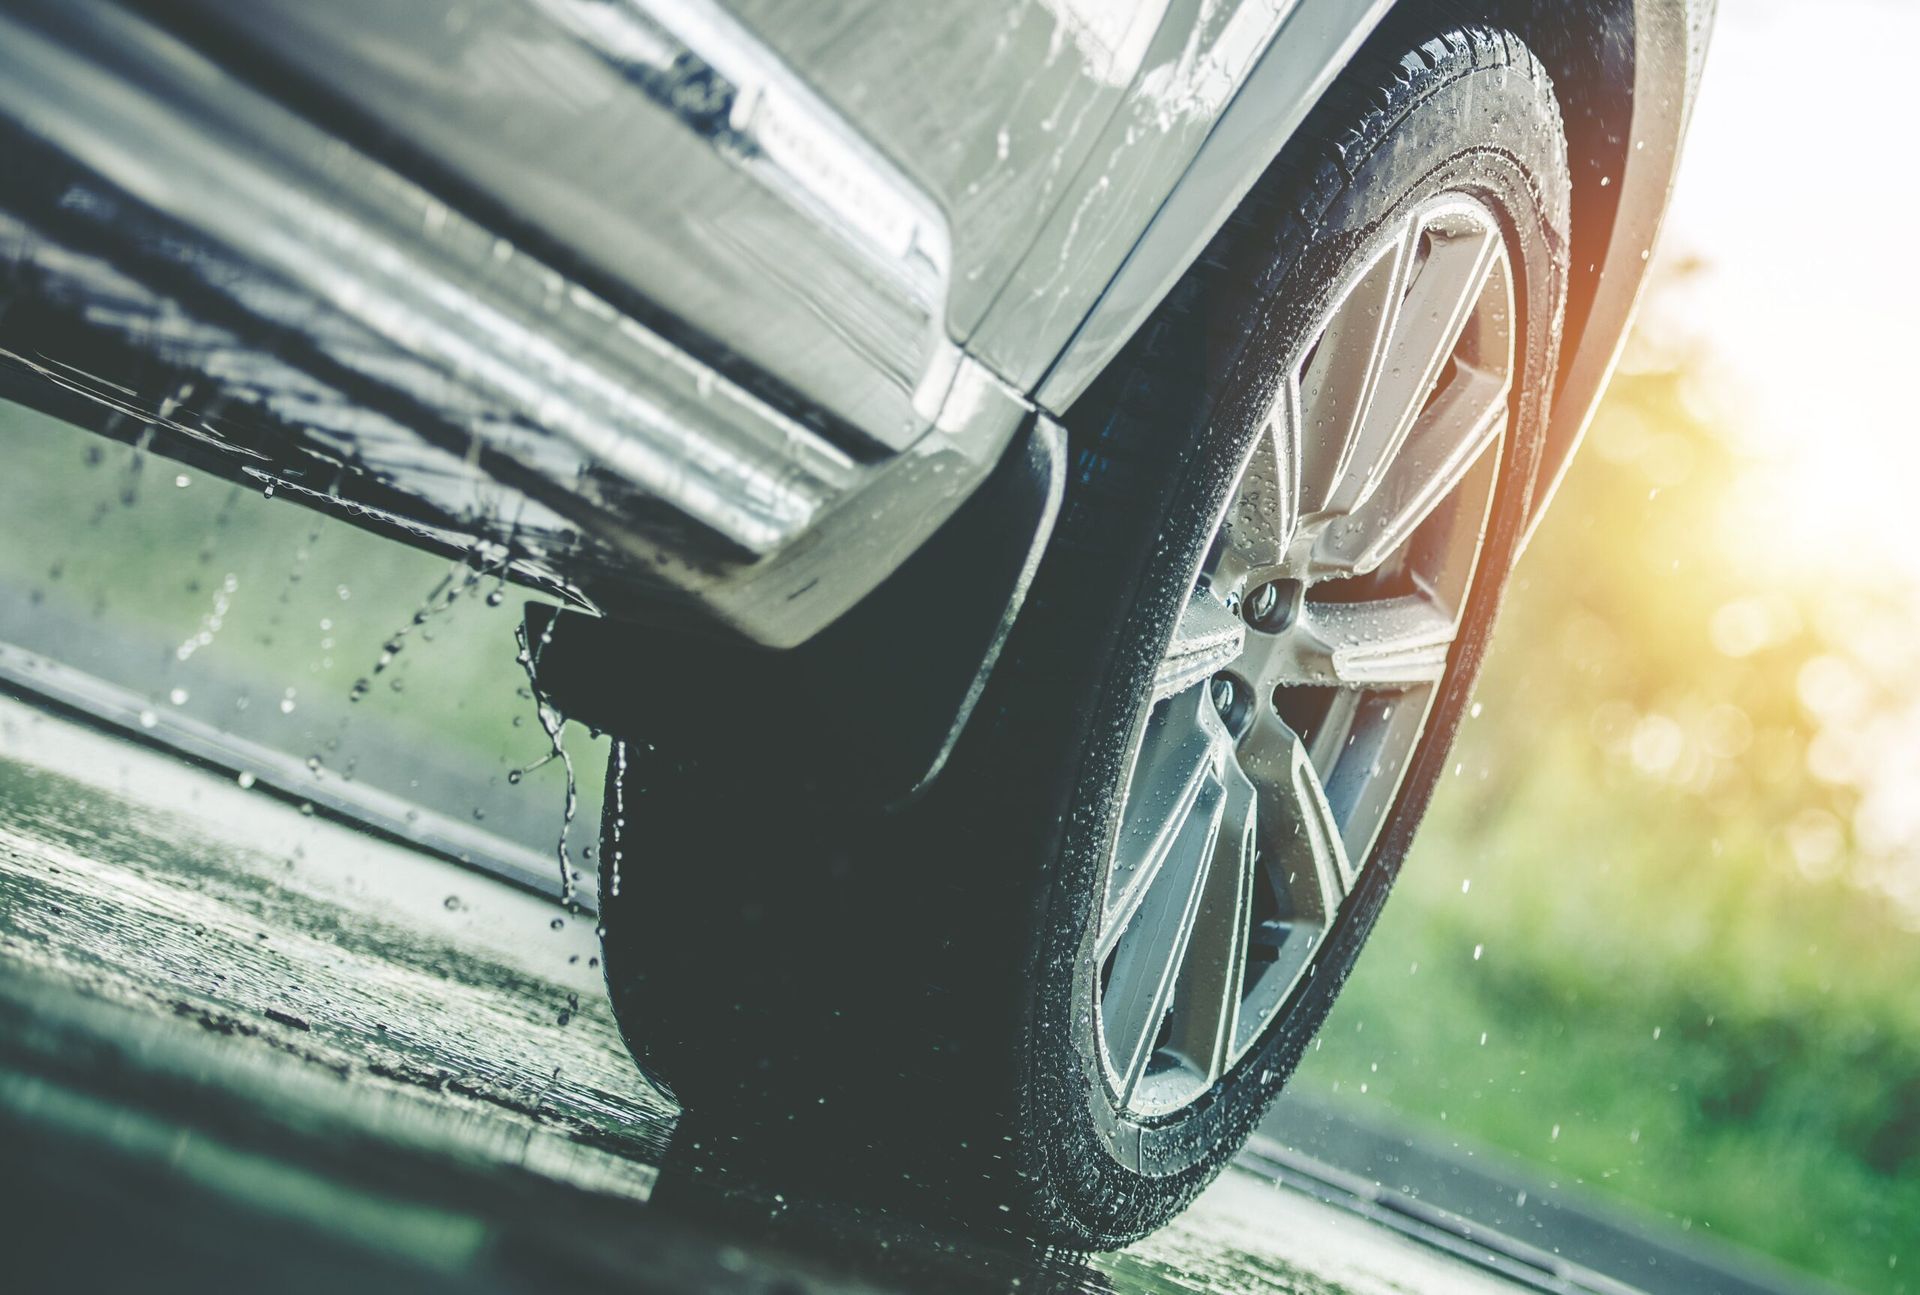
(993, 106)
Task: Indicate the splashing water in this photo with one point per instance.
(460, 579)
(552, 722)
(619, 814)
(211, 623)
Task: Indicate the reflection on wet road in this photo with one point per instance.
(240, 1043)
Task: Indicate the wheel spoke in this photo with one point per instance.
(1440, 298)
(1362, 776)
(1331, 735)
(1155, 939)
(1385, 643)
(1265, 510)
(1206, 640)
(1179, 756)
(1461, 423)
(1207, 996)
(1306, 863)
(1316, 841)
(1338, 384)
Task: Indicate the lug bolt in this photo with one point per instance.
(1223, 694)
(1271, 606)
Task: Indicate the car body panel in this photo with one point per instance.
(293, 289)
(993, 106)
(666, 149)
(784, 281)
(1221, 120)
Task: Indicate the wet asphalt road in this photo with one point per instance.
(245, 1047)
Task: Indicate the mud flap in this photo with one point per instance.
(868, 709)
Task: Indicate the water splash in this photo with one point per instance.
(619, 815)
(553, 723)
(210, 624)
(460, 579)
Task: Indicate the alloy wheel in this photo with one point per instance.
(1300, 674)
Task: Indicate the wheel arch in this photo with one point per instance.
(1625, 73)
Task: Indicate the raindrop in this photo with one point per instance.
(178, 696)
(1478, 949)
(514, 775)
(557, 923)
(182, 480)
(148, 719)
(244, 778)
(211, 622)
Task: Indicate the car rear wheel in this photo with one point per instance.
(1059, 990)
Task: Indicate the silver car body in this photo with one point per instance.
(698, 308)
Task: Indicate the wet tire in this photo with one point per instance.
(896, 1007)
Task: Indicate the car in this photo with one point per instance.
(1025, 485)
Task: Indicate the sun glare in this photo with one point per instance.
(1777, 265)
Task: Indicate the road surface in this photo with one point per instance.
(243, 1046)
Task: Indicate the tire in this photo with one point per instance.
(907, 1008)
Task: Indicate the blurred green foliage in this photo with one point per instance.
(1658, 934)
